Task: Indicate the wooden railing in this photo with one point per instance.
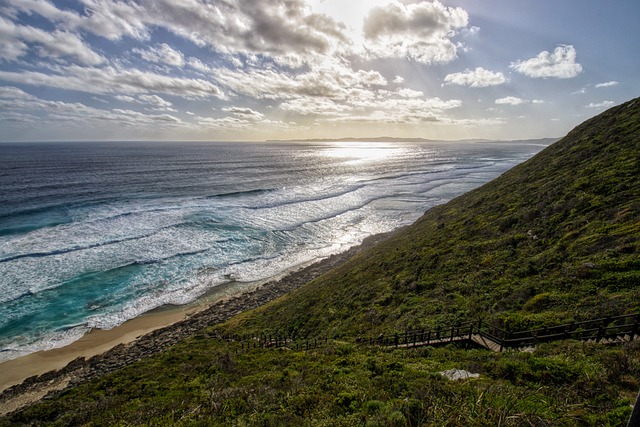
(598, 330)
(608, 330)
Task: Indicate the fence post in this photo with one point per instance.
(438, 332)
(634, 328)
(607, 321)
(396, 340)
(453, 330)
(634, 419)
(503, 340)
(470, 331)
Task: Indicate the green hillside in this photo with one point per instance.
(556, 239)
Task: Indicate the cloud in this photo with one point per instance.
(54, 112)
(476, 78)
(153, 100)
(125, 98)
(197, 64)
(420, 31)
(115, 80)
(16, 41)
(10, 92)
(380, 106)
(603, 104)
(162, 54)
(157, 102)
(247, 113)
(240, 124)
(330, 79)
(607, 84)
(274, 27)
(560, 64)
(510, 100)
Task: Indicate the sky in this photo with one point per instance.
(296, 69)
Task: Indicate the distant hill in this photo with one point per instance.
(543, 141)
(554, 240)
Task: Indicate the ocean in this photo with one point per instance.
(94, 234)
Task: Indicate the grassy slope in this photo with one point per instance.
(556, 238)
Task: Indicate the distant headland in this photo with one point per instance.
(545, 141)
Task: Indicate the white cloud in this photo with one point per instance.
(409, 93)
(330, 79)
(607, 84)
(10, 92)
(276, 27)
(80, 114)
(318, 107)
(246, 113)
(162, 54)
(197, 64)
(125, 98)
(398, 80)
(115, 80)
(560, 64)
(510, 100)
(381, 106)
(155, 101)
(603, 104)
(421, 31)
(240, 124)
(18, 40)
(476, 78)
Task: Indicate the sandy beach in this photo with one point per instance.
(93, 343)
(27, 379)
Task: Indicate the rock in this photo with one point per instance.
(458, 374)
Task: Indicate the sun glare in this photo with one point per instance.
(351, 13)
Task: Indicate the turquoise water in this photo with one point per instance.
(94, 234)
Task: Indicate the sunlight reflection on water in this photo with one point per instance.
(362, 152)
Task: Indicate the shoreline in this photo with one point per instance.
(99, 341)
(27, 379)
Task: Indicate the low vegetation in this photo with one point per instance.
(554, 240)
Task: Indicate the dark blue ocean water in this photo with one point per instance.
(93, 234)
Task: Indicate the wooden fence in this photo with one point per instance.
(608, 330)
(245, 343)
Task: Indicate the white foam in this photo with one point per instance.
(21, 346)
